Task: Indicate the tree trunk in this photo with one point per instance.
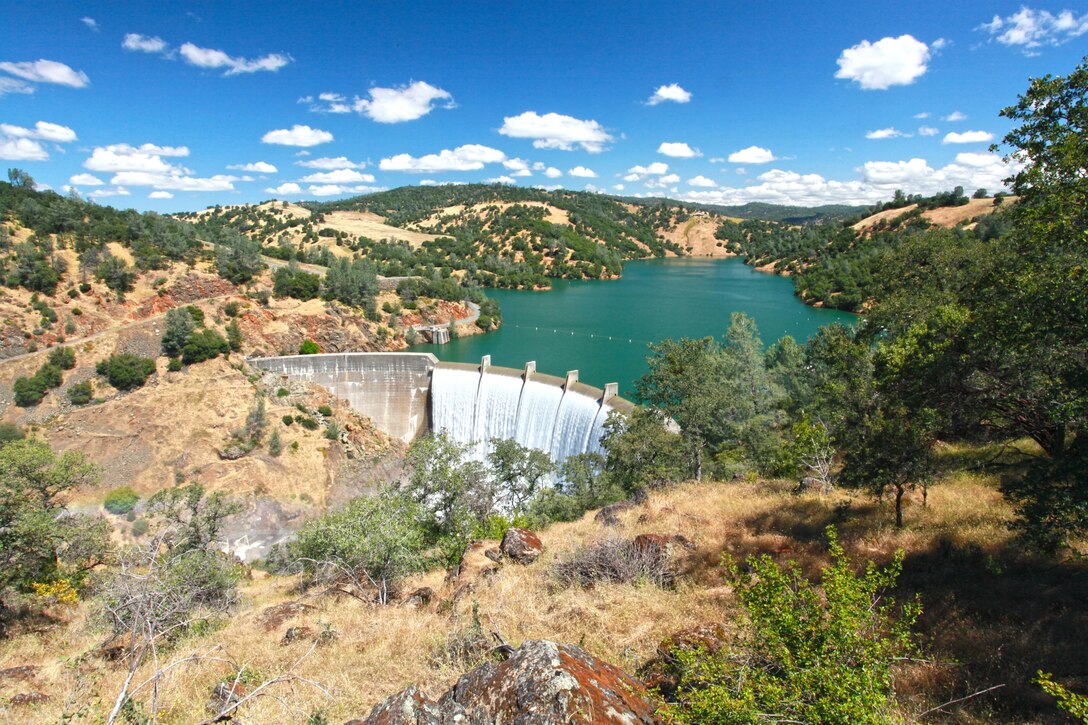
(899, 491)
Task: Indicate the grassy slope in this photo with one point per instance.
(995, 614)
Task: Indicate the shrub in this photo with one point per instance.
(282, 393)
(126, 371)
(175, 364)
(288, 419)
(84, 287)
(10, 432)
(121, 500)
(275, 444)
(308, 347)
(203, 345)
(28, 391)
(324, 410)
(333, 431)
(140, 527)
(234, 336)
(231, 309)
(179, 325)
(808, 654)
(305, 422)
(614, 560)
(63, 357)
(81, 393)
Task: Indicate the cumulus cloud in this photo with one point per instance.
(662, 182)
(1030, 29)
(583, 172)
(285, 189)
(339, 176)
(470, 157)
(85, 180)
(922, 115)
(878, 182)
(213, 58)
(46, 71)
(160, 195)
(885, 133)
(618, 187)
(678, 150)
(11, 85)
(42, 131)
(752, 155)
(90, 23)
(517, 167)
(327, 163)
(145, 166)
(968, 137)
(175, 180)
(657, 167)
(552, 173)
(927, 131)
(22, 149)
(955, 116)
(556, 131)
(887, 62)
(500, 180)
(672, 92)
(143, 43)
(297, 135)
(337, 190)
(103, 193)
(387, 105)
(258, 167)
(702, 181)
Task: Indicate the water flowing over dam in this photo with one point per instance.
(407, 394)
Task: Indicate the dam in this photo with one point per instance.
(408, 394)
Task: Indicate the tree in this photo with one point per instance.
(125, 370)
(203, 345)
(519, 473)
(238, 257)
(308, 347)
(179, 325)
(116, 274)
(234, 336)
(290, 281)
(642, 453)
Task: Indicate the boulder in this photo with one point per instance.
(661, 543)
(494, 554)
(540, 682)
(521, 546)
(273, 617)
(663, 672)
(809, 484)
(28, 698)
(609, 515)
(294, 634)
(420, 597)
(225, 695)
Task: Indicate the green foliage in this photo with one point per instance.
(63, 357)
(306, 422)
(580, 486)
(641, 453)
(179, 325)
(121, 500)
(308, 347)
(232, 309)
(140, 527)
(808, 654)
(1073, 703)
(353, 282)
(10, 432)
(291, 281)
(324, 410)
(519, 473)
(115, 273)
(238, 258)
(175, 365)
(288, 419)
(30, 391)
(203, 345)
(234, 336)
(371, 544)
(126, 371)
(81, 393)
(275, 444)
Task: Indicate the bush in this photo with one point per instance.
(288, 419)
(308, 347)
(324, 410)
(282, 393)
(63, 357)
(140, 527)
(10, 432)
(126, 371)
(203, 345)
(231, 309)
(121, 500)
(275, 444)
(175, 364)
(809, 654)
(614, 560)
(305, 422)
(81, 393)
(333, 431)
(28, 391)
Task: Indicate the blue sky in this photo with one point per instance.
(176, 106)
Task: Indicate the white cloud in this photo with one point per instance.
(518, 167)
(288, 188)
(618, 187)
(556, 131)
(672, 92)
(552, 173)
(144, 166)
(89, 22)
(501, 180)
(10, 85)
(143, 43)
(662, 181)
(1030, 29)
(432, 182)
(339, 176)
(42, 131)
(46, 71)
(885, 133)
(955, 116)
(657, 167)
(175, 180)
(390, 105)
(583, 172)
(160, 195)
(702, 181)
(258, 167)
(752, 155)
(86, 180)
(968, 137)
(212, 58)
(331, 164)
(337, 189)
(22, 149)
(102, 193)
(470, 157)
(927, 131)
(887, 62)
(922, 115)
(716, 159)
(297, 135)
(678, 150)
(123, 157)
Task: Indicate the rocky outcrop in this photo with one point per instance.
(664, 671)
(521, 546)
(541, 682)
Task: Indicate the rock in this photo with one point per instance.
(661, 543)
(115, 648)
(663, 671)
(224, 695)
(233, 453)
(609, 515)
(540, 682)
(813, 485)
(294, 634)
(22, 673)
(28, 698)
(494, 554)
(521, 546)
(273, 617)
(474, 562)
(420, 597)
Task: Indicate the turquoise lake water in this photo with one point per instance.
(602, 329)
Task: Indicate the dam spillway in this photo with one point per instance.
(407, 394)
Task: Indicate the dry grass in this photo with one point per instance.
(997, 613)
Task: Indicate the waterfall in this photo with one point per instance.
(474, 406)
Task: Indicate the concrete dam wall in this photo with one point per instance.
(407, 394)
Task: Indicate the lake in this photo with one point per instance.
(602, 328)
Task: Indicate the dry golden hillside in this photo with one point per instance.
(946, 217)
